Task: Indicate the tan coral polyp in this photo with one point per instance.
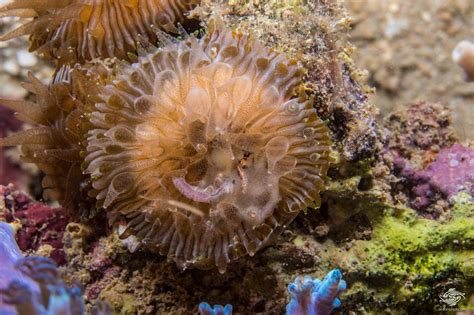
(203, 149)
(55, 141)
(78, 30)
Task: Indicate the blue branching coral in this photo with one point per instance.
(315, 297)
(308, 296)
(32, 285)
(9, 275)
(206, 309)
(54, 297)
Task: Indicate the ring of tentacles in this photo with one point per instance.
(81, 30)
(204, 149)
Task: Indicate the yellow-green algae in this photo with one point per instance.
(409, 260)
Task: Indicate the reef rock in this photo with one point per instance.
(41, 227)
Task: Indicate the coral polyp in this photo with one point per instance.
(56, 141)
(206, 149)
(87, 29)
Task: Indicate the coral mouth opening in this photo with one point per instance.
(204, 195)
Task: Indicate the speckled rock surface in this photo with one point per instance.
(314, 32)
(417, 132)
(40, 227)
(406, 48)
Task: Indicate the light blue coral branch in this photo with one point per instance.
(24, 275)
(9, 251)
(315, 297)
(308, 296)
(21, 288)
(32, 285)
(206, 309)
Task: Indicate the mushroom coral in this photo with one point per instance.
(81, 30)
(204, 148)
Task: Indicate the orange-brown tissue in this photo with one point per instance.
(55, 143)
(204, 149)
(81, 30)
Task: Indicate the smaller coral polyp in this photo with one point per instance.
(56, 141)
(78, 30)
(204, 149)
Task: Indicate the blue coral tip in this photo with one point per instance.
(335, 275)
(292, 287)
(228, 309)
(342, 286)
(206, 309)
(336, 303)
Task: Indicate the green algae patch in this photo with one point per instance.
(409, 260)
(405, 234)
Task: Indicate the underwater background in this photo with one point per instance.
(391, 233)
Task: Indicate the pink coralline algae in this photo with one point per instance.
(40, 224)
(418, 131)
(451, 173)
